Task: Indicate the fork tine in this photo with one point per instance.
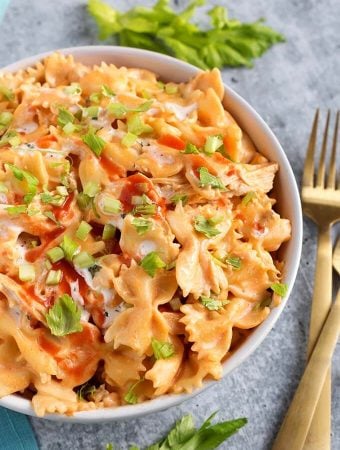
(320, 181)
(332, 166)
(308, 171)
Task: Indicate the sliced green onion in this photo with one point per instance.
(70, 128)
(62, 191)
(83, 260)
(91, 189)
(15, 210)
(212, 144)
(162, 350)
(108, 232)
(280, 289)
(94, 142)
(55, 200)
(26, 272)
(73, 89)
(3, 188)
(95, 97)
(142, 225)
(11, 137)
(248, 198)
(145, 210)
(213, 304)
(54, 277)
(69, 246)
(151, 262)
(83, 230)
(5, 118)
(83, 201)
(64, 117)
(7, 93)
(117, 110)
(171, 88)
(137, 126)
(129, 139)
(111, 205)
(55, 254)
(176, 198)
(92, 112)
(191, 149)
(107, 91)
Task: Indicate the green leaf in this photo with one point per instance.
(21, 175)
(210, 437)
(94, 142)
(142, 225)
(151, 262)
(50, 215)
(162, 350)
(206, 179)
(64, 317)
(234, 261)
(213, 304)
(206, 226)
(280, 289)
(227, 42)
(105, 17)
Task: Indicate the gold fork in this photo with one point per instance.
(321, 202)
(300, 414)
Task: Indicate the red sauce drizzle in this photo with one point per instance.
(113, 170)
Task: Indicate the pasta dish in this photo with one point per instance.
(138, 240)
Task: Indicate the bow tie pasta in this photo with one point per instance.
(138, 239)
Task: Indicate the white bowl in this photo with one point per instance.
(286, 192)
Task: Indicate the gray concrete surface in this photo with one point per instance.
(285, 87)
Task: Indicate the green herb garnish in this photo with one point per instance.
(162, 350)
(64, 317)
(151, 262)
(248, 198)
(94, 142)
(142, 225)
(228, 42)
(206, 226)
(206, 179)
(213, 304)
(176, 198)
(280, 289)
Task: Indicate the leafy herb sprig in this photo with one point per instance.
(185, 436)
(227, 42)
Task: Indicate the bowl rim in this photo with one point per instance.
(22, 405)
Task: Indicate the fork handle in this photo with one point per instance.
(298, 419)
(319, 434)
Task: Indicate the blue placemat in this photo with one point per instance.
(15, 430)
